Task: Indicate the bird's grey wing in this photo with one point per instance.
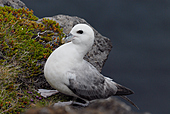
(89, 84)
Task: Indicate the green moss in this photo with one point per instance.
(23, 43)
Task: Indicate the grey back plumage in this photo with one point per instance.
(89, 84)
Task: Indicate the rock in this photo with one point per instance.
(13, 3)
(102, 45)
(108, 106)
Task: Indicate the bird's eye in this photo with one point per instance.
(80, 32)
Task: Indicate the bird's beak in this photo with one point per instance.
(68, 38)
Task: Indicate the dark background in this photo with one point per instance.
(140, 34)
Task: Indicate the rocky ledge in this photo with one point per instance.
(107, 106)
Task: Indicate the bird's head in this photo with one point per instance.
(81, 34)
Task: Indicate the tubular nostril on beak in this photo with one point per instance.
(68, 37)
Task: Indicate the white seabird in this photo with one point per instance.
(67, 71)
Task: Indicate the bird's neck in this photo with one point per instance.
(82, 50)
(72, 51)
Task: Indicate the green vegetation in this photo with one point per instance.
(23, 44)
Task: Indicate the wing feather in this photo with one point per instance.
(89, 84)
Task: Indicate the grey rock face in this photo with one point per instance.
(107, 106)
(102, 45)
(13, 3)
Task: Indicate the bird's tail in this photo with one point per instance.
(131, 102)
(121, 91)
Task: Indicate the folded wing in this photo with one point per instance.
(89, 84)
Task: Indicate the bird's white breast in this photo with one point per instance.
(58, 64)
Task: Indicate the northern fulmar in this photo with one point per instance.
(67, 71)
